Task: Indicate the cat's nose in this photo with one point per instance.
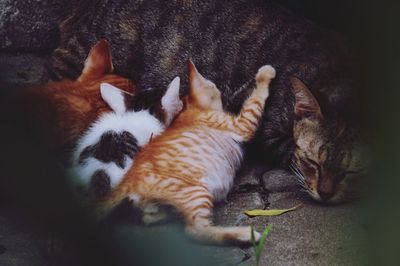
(326, 189)
(325, 195)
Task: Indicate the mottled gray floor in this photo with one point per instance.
(311, 235)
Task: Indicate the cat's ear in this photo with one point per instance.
(305, 103)
(171, 102)
(196, 80)
(98, 63)
(114, 97)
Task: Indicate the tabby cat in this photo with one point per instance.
(229, 39)
(194, 161)
(106, 151)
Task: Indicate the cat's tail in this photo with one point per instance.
(234, 235)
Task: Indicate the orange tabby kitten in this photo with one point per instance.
(193, 163)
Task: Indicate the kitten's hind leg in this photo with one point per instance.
(197, 211)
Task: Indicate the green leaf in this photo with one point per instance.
(273, 212)
(253, 238)
(261, 243)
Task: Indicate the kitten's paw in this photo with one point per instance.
(153, 218)
(265, 74)
(150, 209)
(245, 235)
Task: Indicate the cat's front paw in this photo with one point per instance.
(265, 74)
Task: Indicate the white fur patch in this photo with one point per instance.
(227, 157)
(171, 102)
(114, 97)
(142, 125)
(135, 198)
(85, 171)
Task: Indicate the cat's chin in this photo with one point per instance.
(337, 198)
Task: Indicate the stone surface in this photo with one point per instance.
(248, 178)
(312, 235)
(231, 213)
(20, 245)
(22, 69)
(31, 24)
(169, 239)
(279, 180)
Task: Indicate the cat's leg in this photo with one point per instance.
(246, 123)
(197, 212)
(99, 184)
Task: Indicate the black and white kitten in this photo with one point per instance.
(107, 150)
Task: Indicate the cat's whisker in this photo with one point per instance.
(304, 186)
(299, 177)
(305, 190)
(297, 172)
(300, 180)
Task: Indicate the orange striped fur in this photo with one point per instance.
(193, 163)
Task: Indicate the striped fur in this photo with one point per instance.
(229, 40)
(193, 163)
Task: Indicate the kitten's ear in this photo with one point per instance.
(306, 105)
(98, 63)
(196, 80)
(114, 97)
(170, 102)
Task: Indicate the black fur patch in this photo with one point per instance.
(112, 147)
(100, 184)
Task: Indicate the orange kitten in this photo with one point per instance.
(193, 163)
(61, 111)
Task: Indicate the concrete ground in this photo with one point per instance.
(311, 235)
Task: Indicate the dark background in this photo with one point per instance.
(372, 28)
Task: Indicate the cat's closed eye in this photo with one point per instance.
(309, 169)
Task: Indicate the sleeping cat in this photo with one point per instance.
(309, 124)
(193, 163)
(106, 151)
